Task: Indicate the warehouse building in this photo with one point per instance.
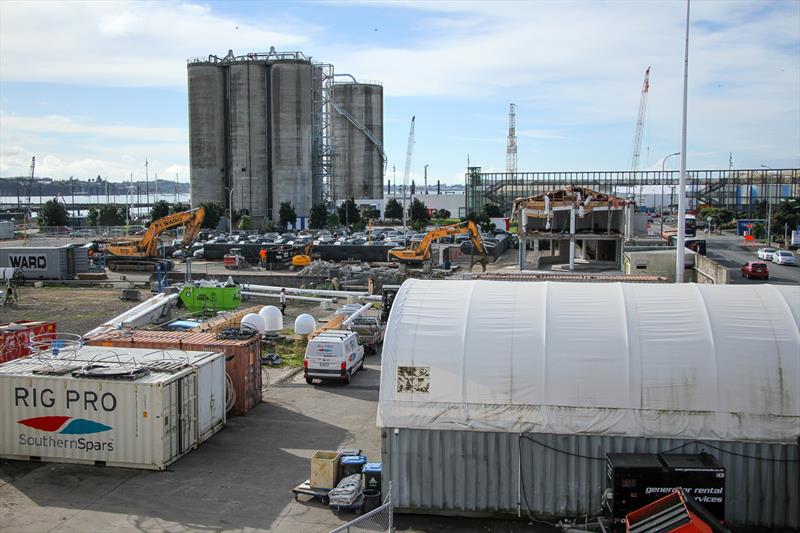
(503, 398)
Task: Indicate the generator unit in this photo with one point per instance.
(637, 479)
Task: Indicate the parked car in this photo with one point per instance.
(755, 270)
(766, 253)
(784, 257)
(333, 355)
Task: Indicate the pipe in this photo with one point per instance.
(288, 297)
(321, 292)
(356, 314)
(131, 315)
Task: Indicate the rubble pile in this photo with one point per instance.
(353, 274)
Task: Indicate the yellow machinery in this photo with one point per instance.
(143, 254)
(304, 259)
(421, 252)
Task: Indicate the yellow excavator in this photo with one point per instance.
(142, 254)
(421, 252)
(304, 259)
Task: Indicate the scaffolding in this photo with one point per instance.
(322, 128)
(737, 190)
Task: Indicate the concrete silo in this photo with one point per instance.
(291, 135)
(255, 127)
(207, 148)
(358, 140)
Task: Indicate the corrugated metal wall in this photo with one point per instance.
(478, 472)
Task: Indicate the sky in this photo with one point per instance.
(96, 88)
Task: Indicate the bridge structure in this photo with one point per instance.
(36, 205)
(736, 190)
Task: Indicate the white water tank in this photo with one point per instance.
(255, 322)
(305, 324)
(273, 318)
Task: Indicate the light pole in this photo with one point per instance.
(663, 162)
(230, 209)
(769, 206)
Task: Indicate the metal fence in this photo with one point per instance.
(377, 520)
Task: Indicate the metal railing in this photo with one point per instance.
(380, 519)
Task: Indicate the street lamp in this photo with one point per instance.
(230, 209)
(128, 192)
(769, 206)
(663, 162)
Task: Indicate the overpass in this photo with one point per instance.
(736, 190)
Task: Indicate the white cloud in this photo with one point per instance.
(125, 43)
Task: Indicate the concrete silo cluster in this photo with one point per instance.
(274, 127)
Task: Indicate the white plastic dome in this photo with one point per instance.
(273, 319)
(305, 324)
(254, 321)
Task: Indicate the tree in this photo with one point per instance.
(160, 209)
(348, 212)
(111, 215)
(179, 208)
(53, 213)
(92, 216)
(245, 222)
(333, 220)
(393, 210)
(787, 212)
(481, 220)
(373, 214)
(214, 212)
(419, 212)
(318, 217)
(442, 213)
(492, 210)
(286, 214)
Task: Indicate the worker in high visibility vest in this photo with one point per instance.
(262, 255)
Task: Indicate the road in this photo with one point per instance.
(727, 250)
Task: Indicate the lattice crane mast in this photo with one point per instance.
(637, 138)
(409, 158)
(511, 146)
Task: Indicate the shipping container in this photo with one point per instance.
(54, 412)
(46, 262)
(6, 229)
(209, 369)
(242, 362)
(15, 337)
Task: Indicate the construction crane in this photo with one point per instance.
(142, 254)
(511, 147)
(407, 173)
(417, 254)
(637, 137)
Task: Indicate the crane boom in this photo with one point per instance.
(409, 158)
(637, 137)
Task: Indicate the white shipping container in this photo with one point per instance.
(209, 368)
(49, 414)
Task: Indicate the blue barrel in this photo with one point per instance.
(351, 464)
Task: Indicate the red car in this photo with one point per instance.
(755, 269)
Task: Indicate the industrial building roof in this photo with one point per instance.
(686, 361)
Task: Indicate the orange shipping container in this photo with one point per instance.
(242, 362)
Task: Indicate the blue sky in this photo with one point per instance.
(94, 88)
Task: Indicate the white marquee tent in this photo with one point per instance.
(649, 360)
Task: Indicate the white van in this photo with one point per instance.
(333, 355)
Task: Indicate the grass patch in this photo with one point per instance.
(290, 347)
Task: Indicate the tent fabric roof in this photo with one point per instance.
(685, 361)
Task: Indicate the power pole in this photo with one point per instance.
(511, 145)
(30, 187)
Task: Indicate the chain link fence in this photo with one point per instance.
(378, 520)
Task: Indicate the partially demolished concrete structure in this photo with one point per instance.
(572, 222)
